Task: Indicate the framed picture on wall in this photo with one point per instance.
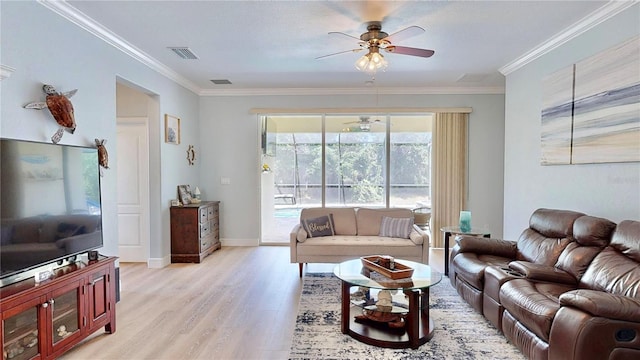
(171, 129)
(184, 193)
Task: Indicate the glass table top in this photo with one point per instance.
(457, 230)
(354, 273)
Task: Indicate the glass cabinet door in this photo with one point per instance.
(65, 307)
(20, 332)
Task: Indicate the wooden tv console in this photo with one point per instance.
(47, 319)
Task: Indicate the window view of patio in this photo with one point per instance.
(342, 160)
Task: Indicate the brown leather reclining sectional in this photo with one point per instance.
(569, 288)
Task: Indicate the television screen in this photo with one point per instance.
(50, 204)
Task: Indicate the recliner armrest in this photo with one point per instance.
(486, 246)
(603, 304)
(541, 272)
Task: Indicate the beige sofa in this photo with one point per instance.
(357, 233)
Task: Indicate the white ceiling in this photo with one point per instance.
(261, 45)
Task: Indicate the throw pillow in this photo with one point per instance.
(320, 226)
(66, 230)
(396, 227)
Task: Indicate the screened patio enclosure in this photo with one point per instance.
(368, 160)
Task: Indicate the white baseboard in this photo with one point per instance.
(240, 242)
(157, 263)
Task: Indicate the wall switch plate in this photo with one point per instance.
(225, 181)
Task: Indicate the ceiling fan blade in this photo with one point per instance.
(404, 34)
(344, 34)
(410, 51)
(338, 53)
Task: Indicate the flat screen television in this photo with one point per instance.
(50, 208)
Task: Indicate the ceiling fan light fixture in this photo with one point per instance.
(372, 62)
(363, 63)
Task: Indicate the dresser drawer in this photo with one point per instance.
(212, 212)
(205, 228)
(206, 242)
(203, 213)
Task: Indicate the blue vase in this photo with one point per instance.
(465, 221)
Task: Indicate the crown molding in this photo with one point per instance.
(366, 110)
(6, 71)
(590, 21)
(79, 18)
(486, 90)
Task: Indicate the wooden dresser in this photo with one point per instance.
(195, 231)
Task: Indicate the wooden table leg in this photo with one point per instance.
(447, 235)
(413, 318)
(346, 307)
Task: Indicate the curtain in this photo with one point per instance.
(449, 173)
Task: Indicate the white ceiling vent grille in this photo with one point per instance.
(184, 52)
(221, 82)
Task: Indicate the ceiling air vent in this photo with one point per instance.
(221, 82)
(184, 52)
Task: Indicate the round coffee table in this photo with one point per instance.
(401, 324)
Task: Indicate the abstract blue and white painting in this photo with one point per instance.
(591, 109)
(557, 117)
(606, 118)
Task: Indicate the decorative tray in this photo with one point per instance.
(400, 271)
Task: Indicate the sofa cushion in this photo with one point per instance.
(369, 220)
(534, 304)
(615, 269)
(575, 259)
(319, 226)
(626, 239)
(396, 227)
(593, 231)
(357, 246)
(554, 223)
(537, 248)
(344, 219)
(613, 272)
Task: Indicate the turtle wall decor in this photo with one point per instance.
(103, 156)
(60, 107)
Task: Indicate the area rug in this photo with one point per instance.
(460, 332)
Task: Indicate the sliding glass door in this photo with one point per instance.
(355, 161)
(369, 160)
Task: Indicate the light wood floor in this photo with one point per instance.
(240, 303)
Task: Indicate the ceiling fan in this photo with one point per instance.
(375, 39)
(364, 124)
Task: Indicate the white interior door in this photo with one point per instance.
(133, 189)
